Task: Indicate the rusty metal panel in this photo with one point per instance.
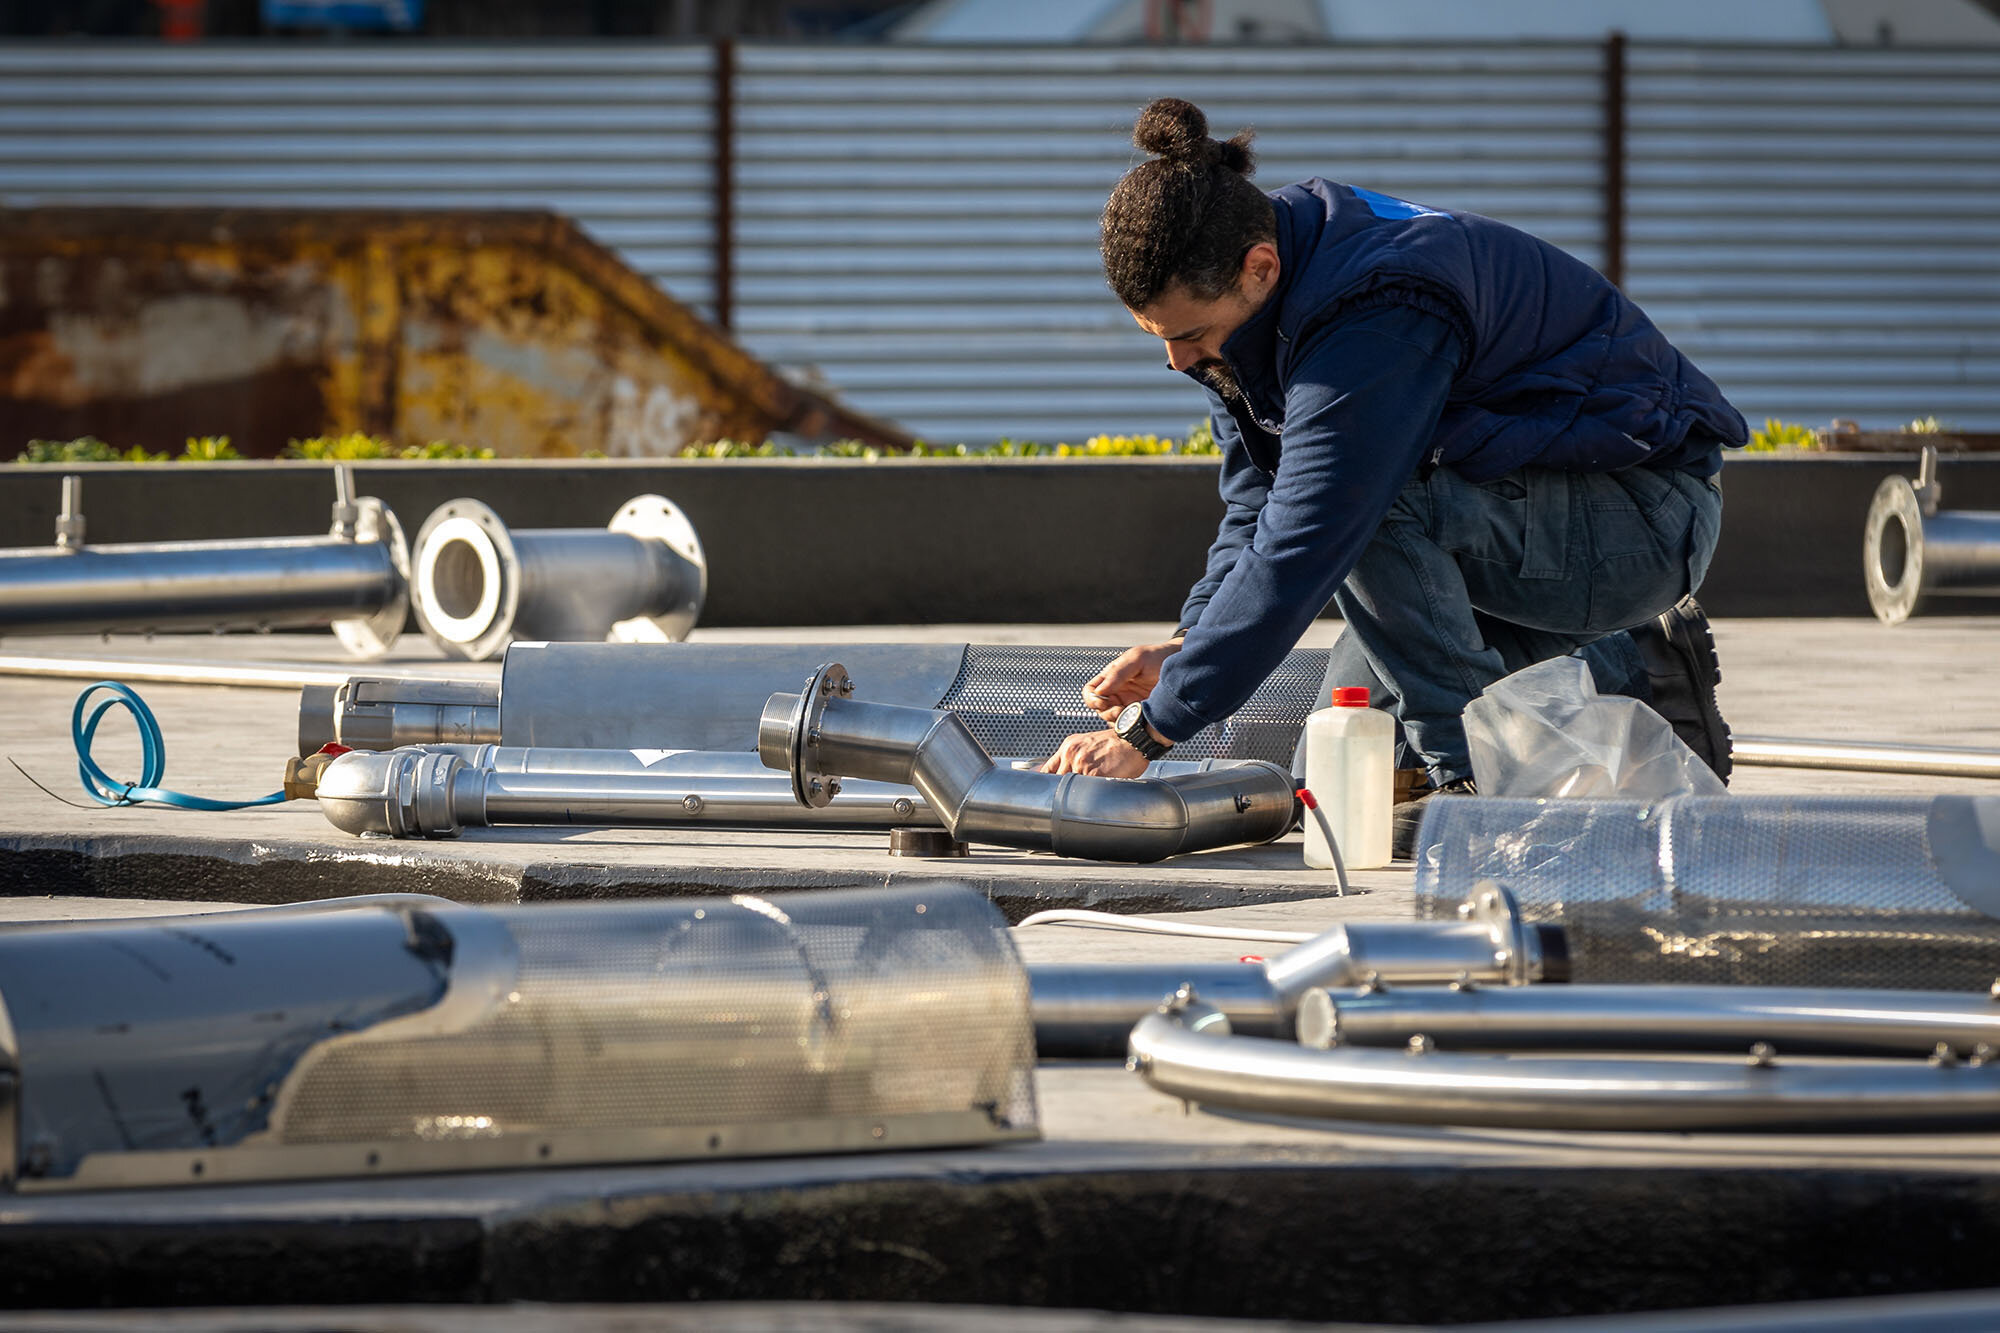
(512, 331)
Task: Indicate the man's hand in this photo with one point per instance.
(1098, 754)
(1129, 679)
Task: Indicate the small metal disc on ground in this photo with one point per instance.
(924, 842)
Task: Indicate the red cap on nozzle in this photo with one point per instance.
(1306, 799)
(1350, 696)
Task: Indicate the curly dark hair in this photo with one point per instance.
(1186, 216)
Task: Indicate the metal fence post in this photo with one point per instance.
(1612, 265)
(725, 181)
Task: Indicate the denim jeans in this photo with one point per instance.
(1465, 582)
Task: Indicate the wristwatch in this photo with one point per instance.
(1131, 728)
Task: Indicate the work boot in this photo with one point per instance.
(1408, 816)
(1679, 652)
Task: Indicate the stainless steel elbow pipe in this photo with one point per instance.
(355, 579)
(415, 794)
(1086, 1011)
(823, 736)
(1913, 552)
(478, 586)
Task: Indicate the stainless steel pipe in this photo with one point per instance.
(710, 763)
(478, 585)
(1945, 761)
(1086, 1011)
(368, 714)
(412, 794)
(822, 737)
(1424, 1087)
(1803, 1020)
(355, 580)
(1911, 552)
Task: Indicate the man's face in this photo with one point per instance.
(1194, 330)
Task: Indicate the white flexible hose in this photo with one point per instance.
(1146, 925)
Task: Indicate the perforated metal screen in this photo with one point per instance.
(1024, 700)
(1771, 891)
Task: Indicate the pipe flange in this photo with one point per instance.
(374, 635)
(656, 518)
(467, 582)
(1516, 949)
(811, 786)
(1892, 551)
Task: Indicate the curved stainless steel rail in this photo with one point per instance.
(1794, 1020)
(1186, 1051)
(1911, 552)
(1086, 1011)
(355, 579)
(822, 737)
(478, 586)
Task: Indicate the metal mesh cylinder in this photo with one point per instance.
(1825, 891)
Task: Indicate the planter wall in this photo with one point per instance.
(928, 541)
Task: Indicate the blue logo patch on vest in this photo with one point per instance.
(1383, 206)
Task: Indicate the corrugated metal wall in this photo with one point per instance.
(1820, 229)
(921, 225)
(618, 137)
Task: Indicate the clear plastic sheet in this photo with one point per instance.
(1546, 731)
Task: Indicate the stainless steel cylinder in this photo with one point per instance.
(1912, 552)
(354, 581)
(365, 713)
(1945, 761)
(477, 585)
(1088, 1011)
(412, 794)
(1792, 1020)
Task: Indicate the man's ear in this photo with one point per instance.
(1260, 268)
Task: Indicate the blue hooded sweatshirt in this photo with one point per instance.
(1400, 337)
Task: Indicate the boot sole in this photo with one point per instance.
(1691, 638)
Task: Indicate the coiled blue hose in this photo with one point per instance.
(107, 790)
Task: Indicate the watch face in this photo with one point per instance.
(1129, 718)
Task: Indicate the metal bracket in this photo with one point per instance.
(810, 785)
(1930, 493)
(1515, 948)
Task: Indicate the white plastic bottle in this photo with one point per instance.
(1350, 770)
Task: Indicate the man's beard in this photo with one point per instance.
(1216, 374)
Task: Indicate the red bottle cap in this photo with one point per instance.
(1350, 696)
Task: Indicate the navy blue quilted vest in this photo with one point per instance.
(1560, 369)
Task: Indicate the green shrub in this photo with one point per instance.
(1200, 442)
(209, 449)
(356, 445)
(1782, 435)
(89, 449)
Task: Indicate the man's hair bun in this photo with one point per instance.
(1175, 129)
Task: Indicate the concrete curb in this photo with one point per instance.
(903, 541)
